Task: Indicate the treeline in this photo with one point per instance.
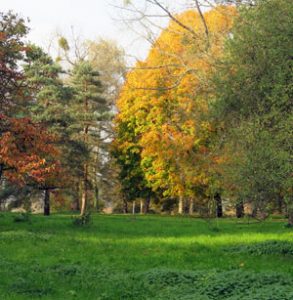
(55, 123)
(205, 121)
(208, 114)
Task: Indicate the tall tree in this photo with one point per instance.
(48, 106)
(27, 151)
(88, 109)
(166, 97)
(255, 102)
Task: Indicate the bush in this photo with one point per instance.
(23, 217)
(83, 220)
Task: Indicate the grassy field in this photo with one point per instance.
(146, 257)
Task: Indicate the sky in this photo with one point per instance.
(90, 19)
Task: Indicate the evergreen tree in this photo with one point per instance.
(88, 110)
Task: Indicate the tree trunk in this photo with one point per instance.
(239, 209)
(280, 204)
(191, 206)
(84, 196)
(141, 206)
(1, 170)
(219, 207)
(147, 205)
(125, 206)
(75, 204)
(133, 207)
(47, 203)
(96, 201)
(290, 215)
(180, 205)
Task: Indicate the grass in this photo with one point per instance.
(146, 257)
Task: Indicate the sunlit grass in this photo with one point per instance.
(92, 257)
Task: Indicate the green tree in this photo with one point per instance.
(49, 106)
(88, 110)
(254, 99)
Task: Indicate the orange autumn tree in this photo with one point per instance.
(27, 151)
(165, 99)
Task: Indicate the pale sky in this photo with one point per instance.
(90, 18)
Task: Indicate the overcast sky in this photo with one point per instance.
(90, 18)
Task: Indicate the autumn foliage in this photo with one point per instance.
(27, 151)
(164, 101)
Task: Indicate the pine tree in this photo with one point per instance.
(88, 109)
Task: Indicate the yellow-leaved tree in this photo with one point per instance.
(165, 100)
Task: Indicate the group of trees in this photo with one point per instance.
(54, 124)
(208, 114)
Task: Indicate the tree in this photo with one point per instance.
(12, 51)
(254, 100)
(107, 57)
(88, 109)
(165, 98)
(49, 106)
(27, 152)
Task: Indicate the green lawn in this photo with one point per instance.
(147, 257)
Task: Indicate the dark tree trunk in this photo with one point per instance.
(280, 204)
(219, 207)
(290, 216)
(240, 209)
(96, 201)
(147, 205)
(77, 206)
(125, 206)
(1, 170)
(47, 203)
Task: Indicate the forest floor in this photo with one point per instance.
(145, 257)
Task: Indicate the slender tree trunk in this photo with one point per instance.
(141, 206)
(77, 206)
(96, 201)
(219, 206)
(133, 207)
(125, 206)
(239, 209)
(47, 203)
(1, 170)
(84, 196)
(280, 204)
(147, 205)
(290, 215)
(180, 205)
(191, 206)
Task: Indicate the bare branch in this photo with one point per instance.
(203, 20)
(172, 17)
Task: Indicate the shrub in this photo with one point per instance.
(23, 217)
(83, 220)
